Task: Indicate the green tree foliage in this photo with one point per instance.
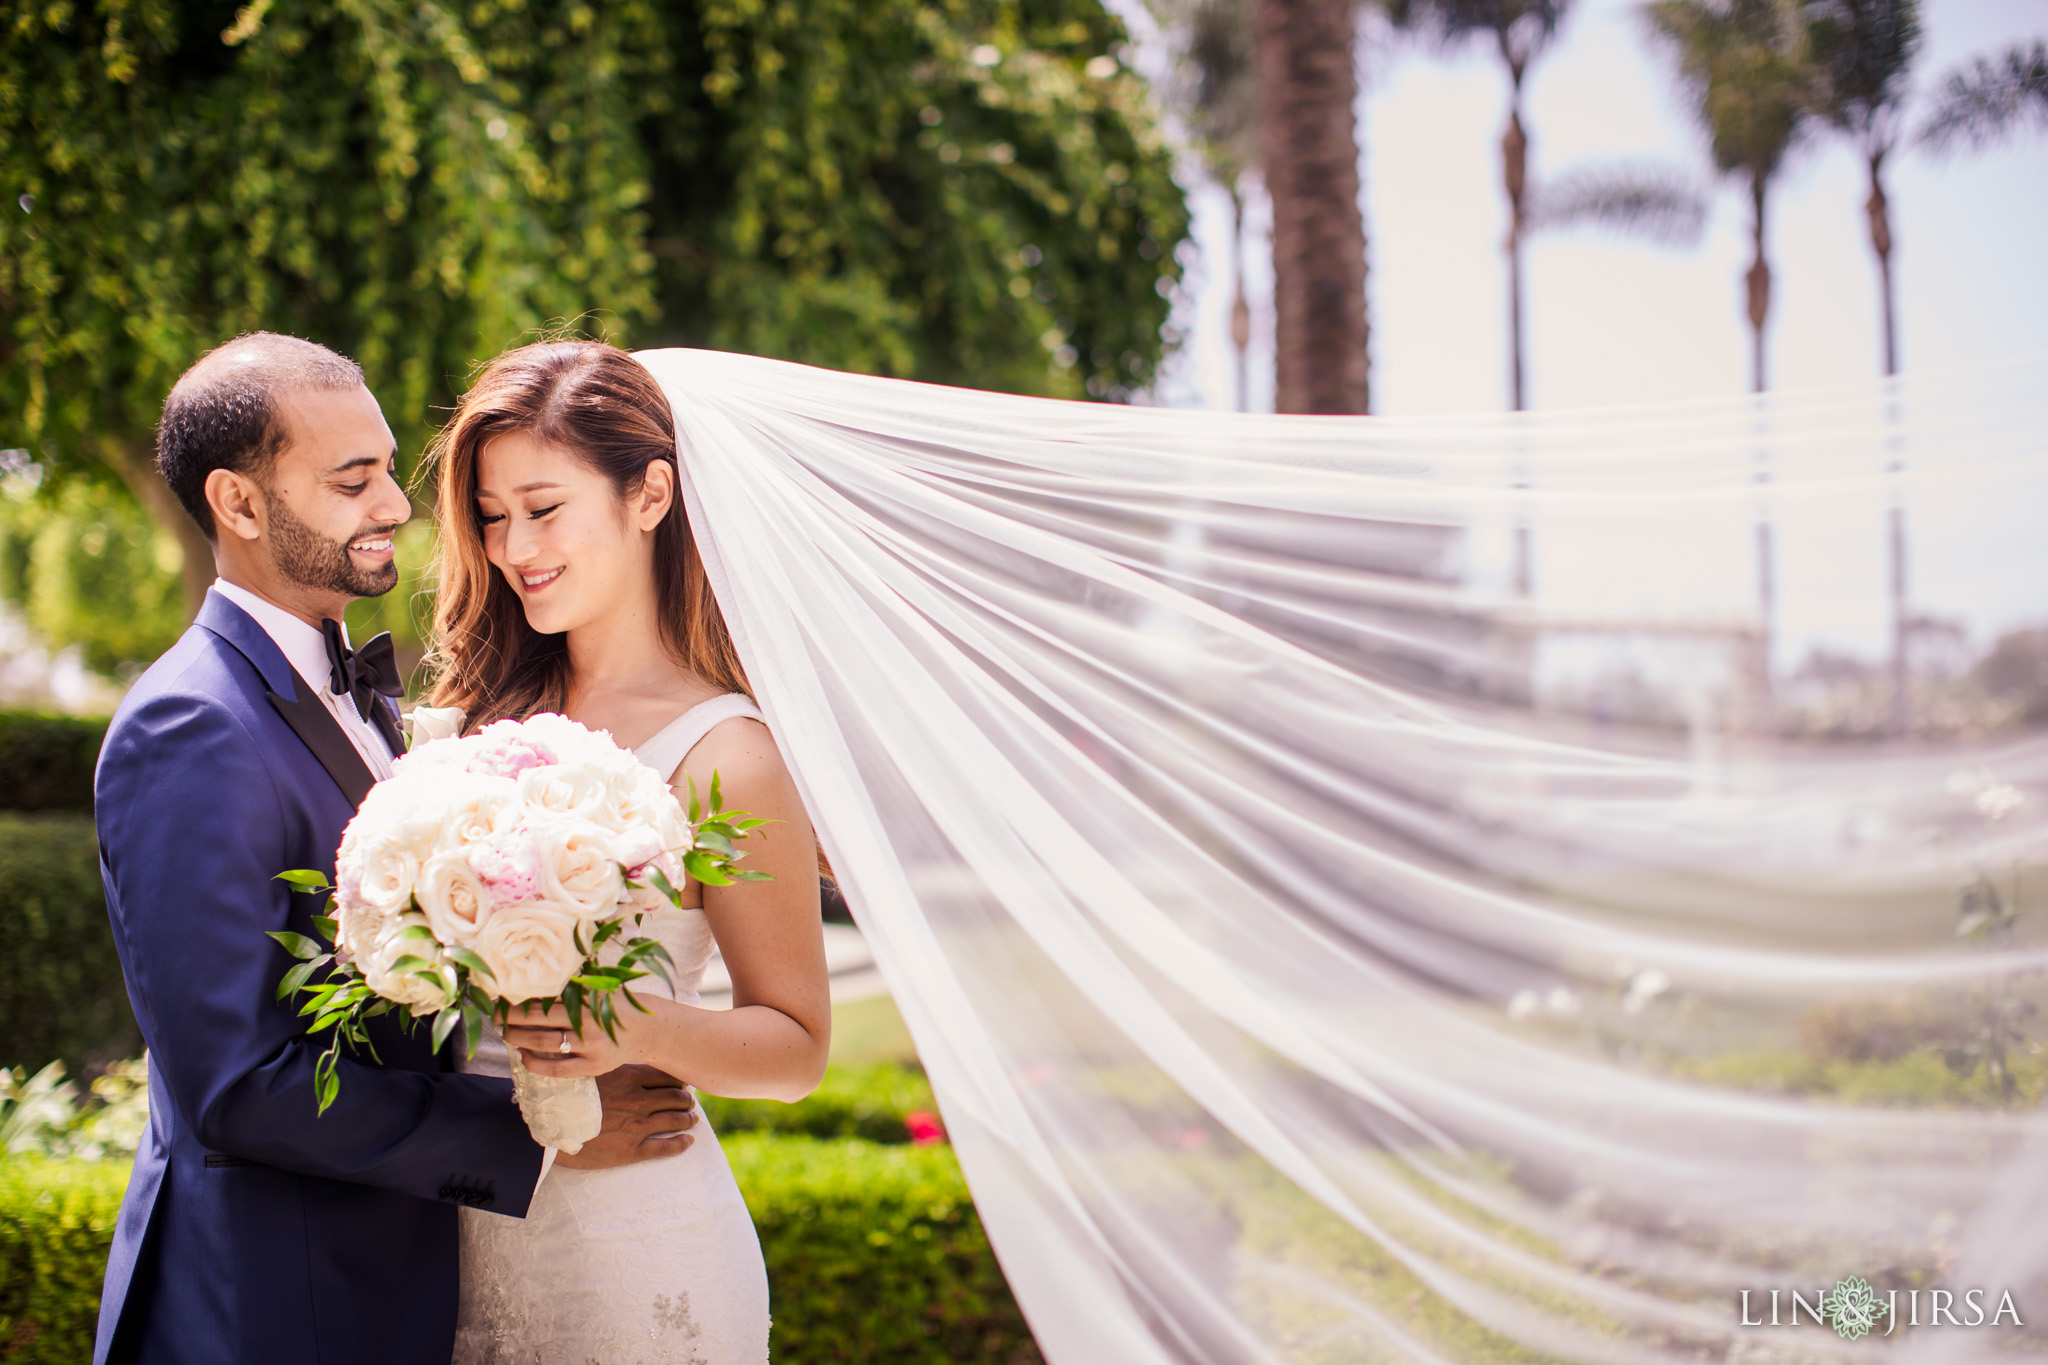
(354, 170)
(969, 192)
(89, 567)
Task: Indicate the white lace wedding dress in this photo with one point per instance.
(651, 1264)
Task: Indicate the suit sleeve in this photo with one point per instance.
(192, 835)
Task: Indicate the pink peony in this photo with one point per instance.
(508, 867)
(511, 756)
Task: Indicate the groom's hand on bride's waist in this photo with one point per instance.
(647, 1114)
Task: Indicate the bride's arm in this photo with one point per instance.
(772, 1043)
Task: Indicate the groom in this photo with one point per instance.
(255, 1231)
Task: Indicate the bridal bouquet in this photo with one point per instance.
(501, 868)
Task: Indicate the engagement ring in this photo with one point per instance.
(565, 1040)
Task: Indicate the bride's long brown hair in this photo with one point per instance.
(597, 404)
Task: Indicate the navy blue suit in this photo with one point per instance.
(254, 1230)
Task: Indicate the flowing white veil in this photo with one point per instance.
(1320, 955)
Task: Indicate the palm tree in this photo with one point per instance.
(1654, 203)
(1308, 85)
(1519, 30)
(1858, 56)
(1739, 60)
(1986, 100)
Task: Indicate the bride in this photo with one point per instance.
(570, 583)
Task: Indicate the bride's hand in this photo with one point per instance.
(550, 1047)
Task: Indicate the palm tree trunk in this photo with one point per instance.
(1308, 85)
(1514, 166)
(1759, 281)
(1879, 209)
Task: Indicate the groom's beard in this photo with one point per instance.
(312, 560)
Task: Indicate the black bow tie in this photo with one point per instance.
(361, 672)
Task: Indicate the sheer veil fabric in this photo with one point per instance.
(1324, 949)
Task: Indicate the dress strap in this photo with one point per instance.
(672, 743)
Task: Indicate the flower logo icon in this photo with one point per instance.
(1852, 1307)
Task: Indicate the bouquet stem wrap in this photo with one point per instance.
(560, 1111)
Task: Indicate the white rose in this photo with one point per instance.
(427, 723)
(358, 928)
(453, 751)
(377, 866)
(638, 844)
(470, 805)
(454, 897)
(635, 796)
(564, 791)
(530, 949)
(578, 867)
(402, 987)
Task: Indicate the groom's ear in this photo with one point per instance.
(657, 494)
(236, 501)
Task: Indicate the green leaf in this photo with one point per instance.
(716, 842)
(409, 963)
(717, 801)
(472, 1025)
(470, 960)
(298, 945)
(668, 889)
(296, 977)
(306, 879)
(704, 869)
(751, 876)
(696, 808)
(327, 926)
(444, 1024)
(414, 931)
(572, 1001)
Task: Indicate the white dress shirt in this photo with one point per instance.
(305, 649)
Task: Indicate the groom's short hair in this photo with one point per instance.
(226, 411)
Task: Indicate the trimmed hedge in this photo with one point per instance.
(56, 1223)
(874, 1253)
(871, 1102)
(46, 762)
(61, 993)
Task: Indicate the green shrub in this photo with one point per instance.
(56, 1223)
(855, 1101)
(875, 1253)
(61, 994)
(46, 761)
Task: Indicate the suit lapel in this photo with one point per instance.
(315, 724)
(296, 700)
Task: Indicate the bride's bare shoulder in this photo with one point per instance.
(741, 750)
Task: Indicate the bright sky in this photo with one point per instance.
(1613, 321)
